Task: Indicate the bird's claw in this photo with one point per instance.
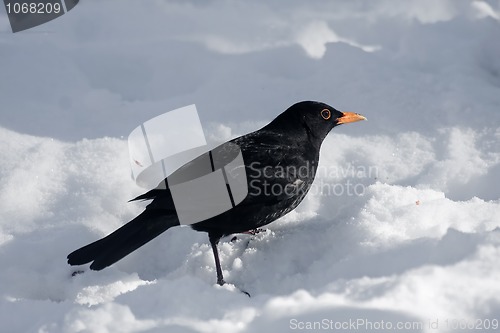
(244, 292)
(221, 282)
(254, 232)
(251, 232)
(75, 273)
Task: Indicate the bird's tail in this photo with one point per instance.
(131, 236)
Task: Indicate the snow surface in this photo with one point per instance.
(402, 225)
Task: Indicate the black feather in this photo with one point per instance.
(125, 240)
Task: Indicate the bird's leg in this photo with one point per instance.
(220, 278)
(213, 242)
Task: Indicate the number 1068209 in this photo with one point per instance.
(33, 8)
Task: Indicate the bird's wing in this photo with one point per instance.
(275, 170)
(267, 160)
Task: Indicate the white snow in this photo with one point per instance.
(402, 224)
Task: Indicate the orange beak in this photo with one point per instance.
(349, 117)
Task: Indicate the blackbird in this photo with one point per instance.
(279, 163)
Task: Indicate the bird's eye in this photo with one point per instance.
(326, 114)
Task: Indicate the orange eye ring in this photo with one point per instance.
(326, 114)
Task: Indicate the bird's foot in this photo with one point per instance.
(254, 232)
(75, 273)
(222, 282)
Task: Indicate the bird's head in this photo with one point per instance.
(316, 119)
